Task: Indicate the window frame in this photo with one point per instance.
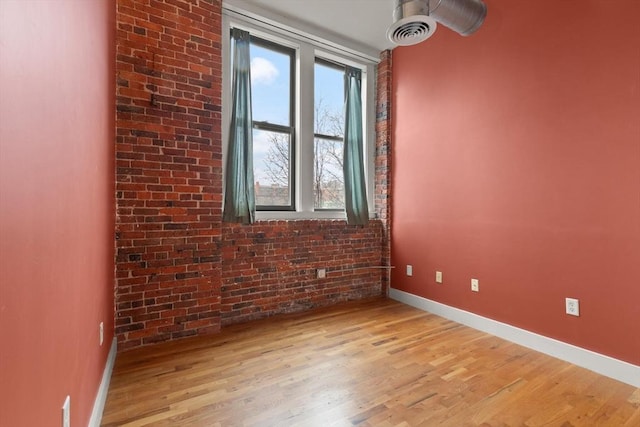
(338, 67)
(278, 128)
(308, 48)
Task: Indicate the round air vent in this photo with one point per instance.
(411, 30)
(412, 23)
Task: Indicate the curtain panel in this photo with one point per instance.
(239, 197)
(354, 180)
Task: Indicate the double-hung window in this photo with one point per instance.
(273, 89)
(298, 101)
(328, 135)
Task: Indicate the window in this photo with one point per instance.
(272, 87)
(298, 97)
(328, 124)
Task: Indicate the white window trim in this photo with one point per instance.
(307, 47)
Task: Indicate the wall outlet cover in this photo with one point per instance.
(409, 270)
(572, 306)
(475, 285)
(438, 276)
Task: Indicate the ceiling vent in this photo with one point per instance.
(415, 20)
(412, 23)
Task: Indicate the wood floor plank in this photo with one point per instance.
(367, 363)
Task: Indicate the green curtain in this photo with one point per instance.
(355, 190)
(239, 197)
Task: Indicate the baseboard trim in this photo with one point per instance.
(604, 365)
(101, 398)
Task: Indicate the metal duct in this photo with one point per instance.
(462, 16)
(415, 20)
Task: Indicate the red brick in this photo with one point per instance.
(179, 270)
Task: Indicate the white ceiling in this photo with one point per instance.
(363, 22)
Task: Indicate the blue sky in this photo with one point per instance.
(270, 85)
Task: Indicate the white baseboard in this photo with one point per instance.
(101, 398)
(604, 365)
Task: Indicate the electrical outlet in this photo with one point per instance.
(475, 285)
(572, 306)
(101, 332)
(409, 270)
(321, 273)
(66, 412)
(438, 276)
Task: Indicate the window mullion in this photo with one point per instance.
(271, 127)
(305, 128)
(330, 137)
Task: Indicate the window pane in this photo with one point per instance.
(270, 84)
(328, 185)
(329, 100)
(271, 168)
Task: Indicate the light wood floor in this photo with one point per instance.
(371, 363)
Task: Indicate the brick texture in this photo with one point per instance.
(168, 177)
(270, 267)
(179, 270)
(383, 159)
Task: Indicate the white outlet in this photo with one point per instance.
(572, 306)
(322, 273)
(438, 276)
(66, 412)
(409, 270)
(101, 332)
(475, 285)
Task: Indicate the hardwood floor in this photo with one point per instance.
(370, 363)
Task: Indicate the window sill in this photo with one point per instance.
(293, 216)
(275, 215)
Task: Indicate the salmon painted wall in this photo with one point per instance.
(56, 206)
(516, 161)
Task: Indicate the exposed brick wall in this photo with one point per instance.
(179, 270)
(270, 267)
(168, 177)
(383, 159)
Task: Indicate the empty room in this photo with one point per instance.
(319, 213)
